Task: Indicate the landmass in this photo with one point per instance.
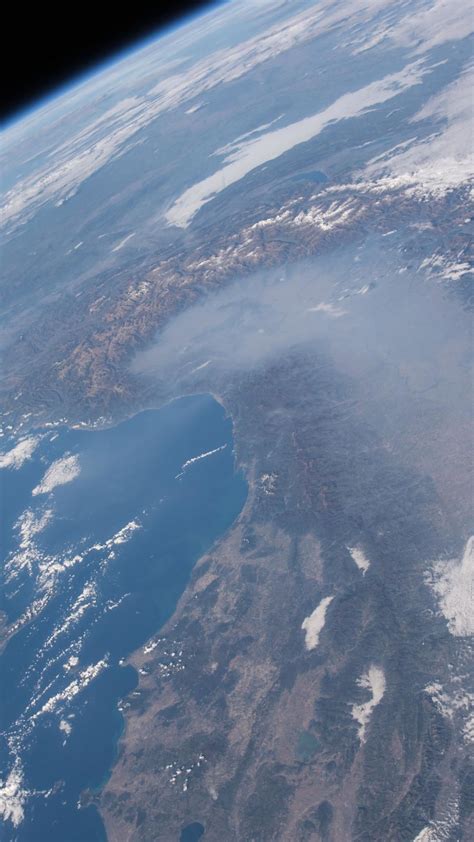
(315, 682)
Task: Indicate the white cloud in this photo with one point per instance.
(435, 22)
(28, 554)
(250, 154)
(329, 309)
(86, 151)
(30, 523)
(453, 585)
(416, 25)
(65, 727)
(87, 599)
(80, 683)
(444, 159)
(19, 454)
(121, 537)
(198, 458)
(13, 796)
(123, 242)
(59, 472)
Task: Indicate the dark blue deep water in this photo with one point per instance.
(91, 570)
(192, 832)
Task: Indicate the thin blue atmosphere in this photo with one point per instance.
(103, 65)
(100, 532)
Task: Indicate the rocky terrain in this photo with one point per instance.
(354, 726)
(273, 206)
(260, 730)
(73, 357)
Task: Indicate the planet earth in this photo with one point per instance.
(236, 435)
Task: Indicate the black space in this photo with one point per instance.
(50, 47)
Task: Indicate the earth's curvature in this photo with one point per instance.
(236, 453)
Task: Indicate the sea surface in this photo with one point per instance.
(100, 531)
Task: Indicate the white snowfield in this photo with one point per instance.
(428, 834)
(360, 559)
(444, 826)
(454, 700)
(374, 681)
(438, 266)
(314, 624)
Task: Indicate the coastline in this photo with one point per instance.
(183, 433)
(137, 659)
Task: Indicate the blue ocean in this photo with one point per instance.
(100, 531)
